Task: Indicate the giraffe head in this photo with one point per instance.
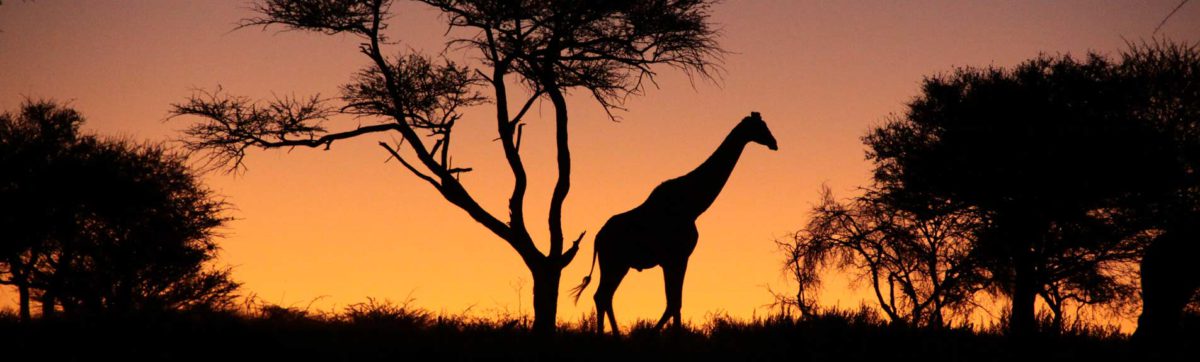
(755, 130)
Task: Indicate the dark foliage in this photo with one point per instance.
(103, 227)
(1165, 79)
(605, 47)
(919, 265)
(1060, 155)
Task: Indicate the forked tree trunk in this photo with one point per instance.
(548, 272)
(545, 298)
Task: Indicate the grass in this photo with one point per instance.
(377, 330)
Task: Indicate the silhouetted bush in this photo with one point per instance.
(93, 226)
(918, 264)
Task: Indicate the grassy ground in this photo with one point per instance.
(377, 331)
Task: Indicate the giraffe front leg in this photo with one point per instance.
(673, 282)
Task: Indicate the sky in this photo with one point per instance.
(323, 229)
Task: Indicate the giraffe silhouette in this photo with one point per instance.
(662, 230)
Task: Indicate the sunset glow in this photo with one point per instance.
(324, 229)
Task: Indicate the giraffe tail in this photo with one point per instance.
(578, 290)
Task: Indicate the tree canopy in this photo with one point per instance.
(98, 226)
(1070, 168)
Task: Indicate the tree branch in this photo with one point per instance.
(450, 189)
(570, 254)
(563, 185)
(525, 108)
(410, 168)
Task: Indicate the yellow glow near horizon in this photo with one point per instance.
(338, 226)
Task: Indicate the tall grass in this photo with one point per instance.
(383, 330)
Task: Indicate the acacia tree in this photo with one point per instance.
(1043, 150)
(32, 141)
(142, 239)
(98, 226)
(549, 47)
(918, 264)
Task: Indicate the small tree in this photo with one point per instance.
(32, 143)
(606, 48)
(918, 265)
(103, 227)
(144, 238)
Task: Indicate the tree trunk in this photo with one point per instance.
(47, 305)
(1055, 308)
(547, 274)
(23, 295)
(936, 320)
(1022, 320)
(1169, 281)
(1020, 233)
(545, 298)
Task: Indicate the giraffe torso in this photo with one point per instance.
(645, 238)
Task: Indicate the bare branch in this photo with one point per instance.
(913, 275)
(525, 108)
(569, 255)
(233, 124)
(323, 16)
(410, 168)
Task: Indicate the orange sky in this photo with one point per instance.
(341, 225)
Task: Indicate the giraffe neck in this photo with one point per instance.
(707, 180)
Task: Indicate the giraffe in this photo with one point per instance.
(662, 230)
